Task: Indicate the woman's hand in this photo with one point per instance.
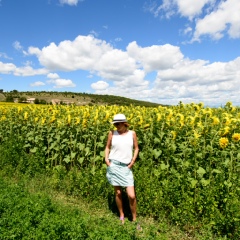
(108, 162)
(130, 164)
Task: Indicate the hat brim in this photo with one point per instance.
(119, 121)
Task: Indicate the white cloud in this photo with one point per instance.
(225, 18)
(155, 57)
(82, 53)
(100, 85)
(29, 71)
(189, 9)
(115, 65)
(211, 17)
(176, 78)
(7, 68)
(118, 39)
(186, 8)
(52, 75)
(61, 83)
(37, 84)
(70, 2)
(4, 55)
(17, 45)
(10, 68)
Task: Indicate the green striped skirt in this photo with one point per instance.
(118, 174)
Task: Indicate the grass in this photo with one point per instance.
(31, 209)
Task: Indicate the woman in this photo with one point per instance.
(120, 158)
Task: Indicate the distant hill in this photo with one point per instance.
(2, 97)
(73, 97)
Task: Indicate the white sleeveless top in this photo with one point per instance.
(122, 147)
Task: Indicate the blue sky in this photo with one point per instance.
(160, 51)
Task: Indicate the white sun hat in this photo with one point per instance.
(119, 118)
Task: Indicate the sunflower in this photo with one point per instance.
(215, 120)
(223, 142)
(236, 137)
(225, 131)
(25, 115)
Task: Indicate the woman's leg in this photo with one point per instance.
(132, 201)
(118, 197)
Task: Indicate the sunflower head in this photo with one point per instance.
(236, 137)
(223, 142)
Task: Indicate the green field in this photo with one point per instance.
(186, 174)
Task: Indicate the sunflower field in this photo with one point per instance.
(188, 168)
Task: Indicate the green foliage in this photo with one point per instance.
(190, 180)
(10, 98)
(22, 99)
(36, 216)
(36, 101)
(92, 98)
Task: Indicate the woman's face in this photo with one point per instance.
(120, 125)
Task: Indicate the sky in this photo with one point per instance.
(162, 51)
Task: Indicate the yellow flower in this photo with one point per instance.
(236, 137)
(159, 116)
(69, 118)
(169, 114)
(196, 135)
(43, 120)
(77, 120)
(179, 117)
(3, 118)
(225, 131)
(52, 119)
(19, 109)
(146, 126)
(200, 125)
(174, 135)
(207, 112)
(223, 142)
(226, 121)
(215, 120)
(190, 120)
(201, 104)
(25, 115)
(196, 107)
(84, 123)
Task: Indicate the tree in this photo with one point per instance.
(9, 98)
(22, 99)
(36, 101)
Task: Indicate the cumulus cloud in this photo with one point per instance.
(29, 71)
(200, 80)
(53, 75)
(100, 85)
(155, 57)
(177, 78)
(212, 18)
(61, 83)
(37, 84)
(10, 68)
(82, 53)
(225, 18)
(7, 68)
